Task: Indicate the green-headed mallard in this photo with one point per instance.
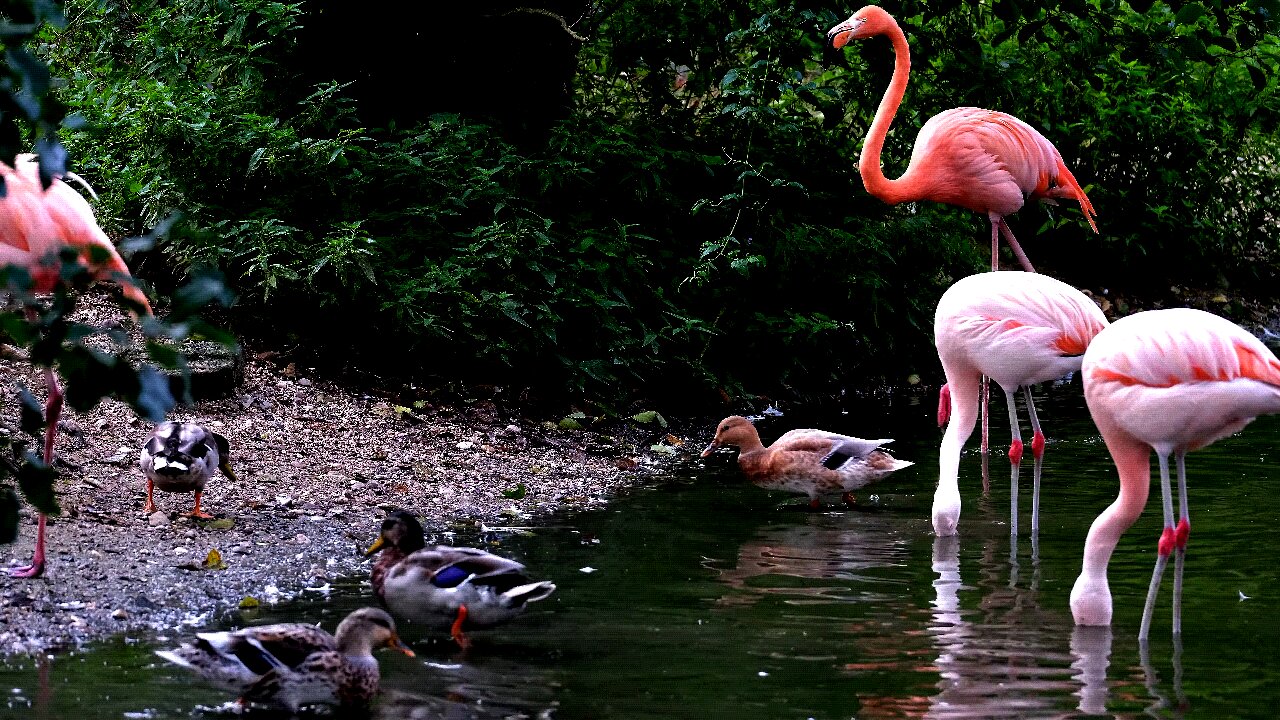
(444, 587)
(181, 457)
(293, 664)
(812, 462)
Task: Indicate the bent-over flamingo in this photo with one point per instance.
(1171, 381)
(1018, 329)
(35, 224)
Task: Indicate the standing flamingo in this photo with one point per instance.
(35, 224)
(1018, 329)
(1171, 381)
(983, 160)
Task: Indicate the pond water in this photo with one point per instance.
(711, 598)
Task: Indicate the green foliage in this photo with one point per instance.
(696, 223)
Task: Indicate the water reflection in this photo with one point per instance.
(997, 660)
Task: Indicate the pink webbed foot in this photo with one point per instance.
(33, 570)
(1181, 534)
(1037, 445)
(1015, 452)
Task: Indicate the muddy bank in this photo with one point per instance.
(317, 463)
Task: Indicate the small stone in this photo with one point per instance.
(180, 551)
(158, 519)
(284, 501)
(304, 382)
(301, 539)
(510, 431)
(466, 445)
(120, 614)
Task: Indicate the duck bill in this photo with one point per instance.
(395, 643)
(226, 470)
(710, 448)
(377, 545)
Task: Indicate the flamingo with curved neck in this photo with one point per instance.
(1171, 381)
(1018, 329)
(983, 160)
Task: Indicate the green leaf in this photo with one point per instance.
(154, 399)
(516, 493)
(9, 505)
(35, 479)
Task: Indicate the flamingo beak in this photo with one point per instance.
(840, 35)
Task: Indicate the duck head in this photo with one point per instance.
(734, 431)
(367, 629)
(400, 530)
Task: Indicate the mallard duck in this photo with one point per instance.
(181, 457)
(812, 462)
(443, 587)
(293, 664)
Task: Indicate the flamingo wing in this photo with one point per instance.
(1017, 328)
(990, 161)
(1179, 378)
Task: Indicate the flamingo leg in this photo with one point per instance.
(1180, 542)
(52, 411)
(1037, 452)
(1164, 548)
(1015, 459)
(986, 412)
(1015, 247)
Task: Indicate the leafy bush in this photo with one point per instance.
(696, 223)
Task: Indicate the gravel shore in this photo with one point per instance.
(318, 465)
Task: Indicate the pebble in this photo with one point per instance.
(158, 519)
(120, 614)
(304, 382)
(466, 445)
(284, 501)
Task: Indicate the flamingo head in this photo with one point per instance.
(870, 21)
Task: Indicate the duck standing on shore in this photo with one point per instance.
(181, 457)
(811, 462)
(442, 587)
(294, 664)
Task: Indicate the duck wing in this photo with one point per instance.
(833, 449)
(271, 647)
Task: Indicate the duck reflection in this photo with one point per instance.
(848, 549)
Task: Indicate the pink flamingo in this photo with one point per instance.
(1018, 329)
(983, 160)
(987, 161)
(35, 224)
(1171, 381)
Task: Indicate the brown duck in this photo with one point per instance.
(812, 462)
(293, 665)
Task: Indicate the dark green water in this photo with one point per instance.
(709, 600)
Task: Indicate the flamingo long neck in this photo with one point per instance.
(964, 415)
(890, 191)
(1133, 461)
